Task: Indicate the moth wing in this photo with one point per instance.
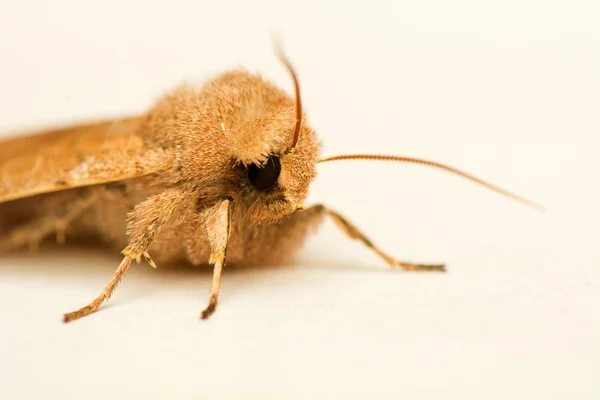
(79, 156)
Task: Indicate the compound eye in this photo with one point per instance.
(265, 176)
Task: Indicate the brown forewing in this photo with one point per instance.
(74, 157)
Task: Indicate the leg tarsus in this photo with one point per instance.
(82, 312)
(105, 295)
(210, 309)
(354, 233)
(215, 286)
(419, 267)
(218, 226)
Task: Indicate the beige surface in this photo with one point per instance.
(508, 92)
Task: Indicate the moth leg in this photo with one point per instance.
(352, 232)
(33, 233)
(105, 295)
(144, 223)
(218, 228)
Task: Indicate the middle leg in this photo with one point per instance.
(354, 233)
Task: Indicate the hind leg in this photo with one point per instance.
(55, 220)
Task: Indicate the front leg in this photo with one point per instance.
(145, 221)
(218, 228)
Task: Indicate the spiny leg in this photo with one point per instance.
(215, 286)
(33, 233)
(145, 221)
(218, 228)
(353, 232)
(105, 295)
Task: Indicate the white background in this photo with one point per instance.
(507, 90)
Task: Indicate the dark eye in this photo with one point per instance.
(265, 177)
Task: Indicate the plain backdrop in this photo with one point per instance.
(507, 90)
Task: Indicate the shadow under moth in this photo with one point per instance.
(209, 173)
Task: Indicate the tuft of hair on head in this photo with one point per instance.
(434, 164)
(288, 65)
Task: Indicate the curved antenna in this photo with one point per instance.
(439, 166)
(286, 62)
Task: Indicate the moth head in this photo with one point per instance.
(276, 155)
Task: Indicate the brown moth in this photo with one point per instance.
(206, 173)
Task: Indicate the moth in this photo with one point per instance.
(209, 173)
